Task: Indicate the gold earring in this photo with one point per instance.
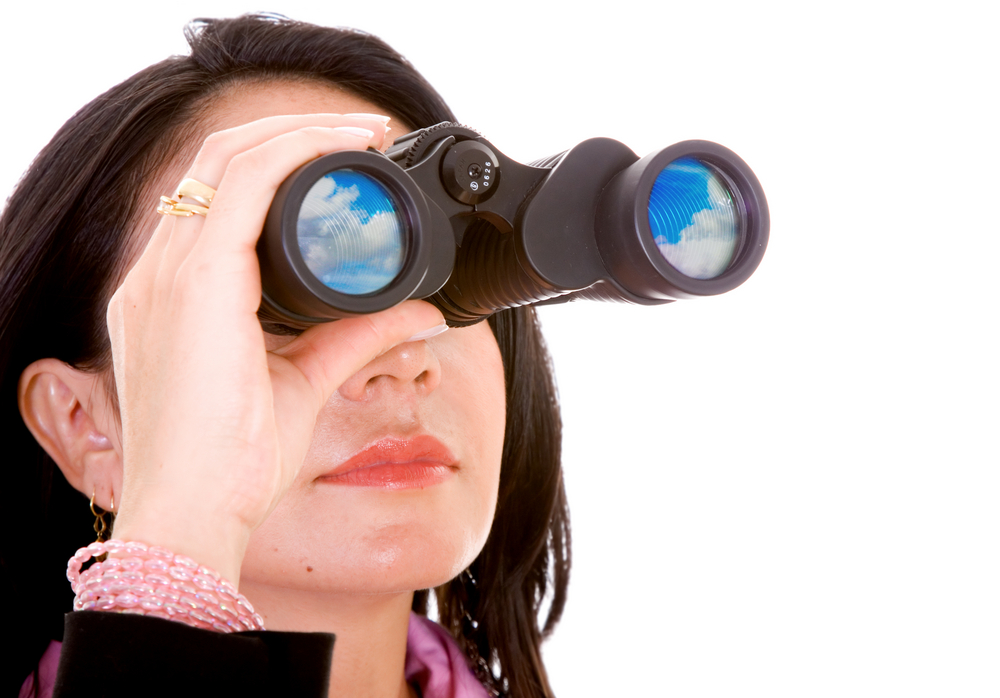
(100, 525)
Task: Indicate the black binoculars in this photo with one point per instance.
(445, 216)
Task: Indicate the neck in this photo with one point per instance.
(370, 652)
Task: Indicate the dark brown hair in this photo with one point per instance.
(62, 249)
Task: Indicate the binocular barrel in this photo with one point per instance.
(445, 216)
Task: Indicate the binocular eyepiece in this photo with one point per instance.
(445, 216)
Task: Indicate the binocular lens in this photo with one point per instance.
(352, 233)
(693, 219)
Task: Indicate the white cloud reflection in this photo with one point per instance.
(351, 246)
(706, 246)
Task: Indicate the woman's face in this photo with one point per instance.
(399, 485)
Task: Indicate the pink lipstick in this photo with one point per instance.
(396, 464)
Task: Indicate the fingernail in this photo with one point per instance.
(427, 334)
(355, 131)
(381, 117)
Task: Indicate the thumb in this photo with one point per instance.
(328, 354)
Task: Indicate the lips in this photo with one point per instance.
(396, 464)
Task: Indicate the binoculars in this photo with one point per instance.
(445, 216)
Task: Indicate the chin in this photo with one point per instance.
(391, 558)
(394, 570)
(395, 560)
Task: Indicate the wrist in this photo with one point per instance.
(217, 542)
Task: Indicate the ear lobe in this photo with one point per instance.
(58, 404)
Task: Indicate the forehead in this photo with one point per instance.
(241, 103)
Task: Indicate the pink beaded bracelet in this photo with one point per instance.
(152, 581)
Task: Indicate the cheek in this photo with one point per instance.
(480, 395)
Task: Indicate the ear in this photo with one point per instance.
(70, 414)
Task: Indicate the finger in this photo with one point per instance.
(329, 354)
(222, 245)
(253, 177)
(142, 273)
(219, 148)
(155, 246)
(182, 239)
(174, 237)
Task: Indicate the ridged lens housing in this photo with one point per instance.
(687, 221)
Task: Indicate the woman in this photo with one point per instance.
(332, 476)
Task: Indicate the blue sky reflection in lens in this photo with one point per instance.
(350, 234)
(693, 219)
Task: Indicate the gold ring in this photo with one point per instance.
(193, 189)
(172, 207)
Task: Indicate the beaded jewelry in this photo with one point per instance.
(152, 581)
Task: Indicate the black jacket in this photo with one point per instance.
(112, 654)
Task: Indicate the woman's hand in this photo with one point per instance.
(214, 427)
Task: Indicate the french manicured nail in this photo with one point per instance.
(427, 334)
(380, 117)
(355, 131)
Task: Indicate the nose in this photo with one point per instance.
(412, 366)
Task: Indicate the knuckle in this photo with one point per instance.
(121, 297)
(370, 333)
(248, 163)
(114, 311)
(194, 275)
(215, 145)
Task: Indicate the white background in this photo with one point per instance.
(786, 491)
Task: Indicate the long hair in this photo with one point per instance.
(62, 249)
